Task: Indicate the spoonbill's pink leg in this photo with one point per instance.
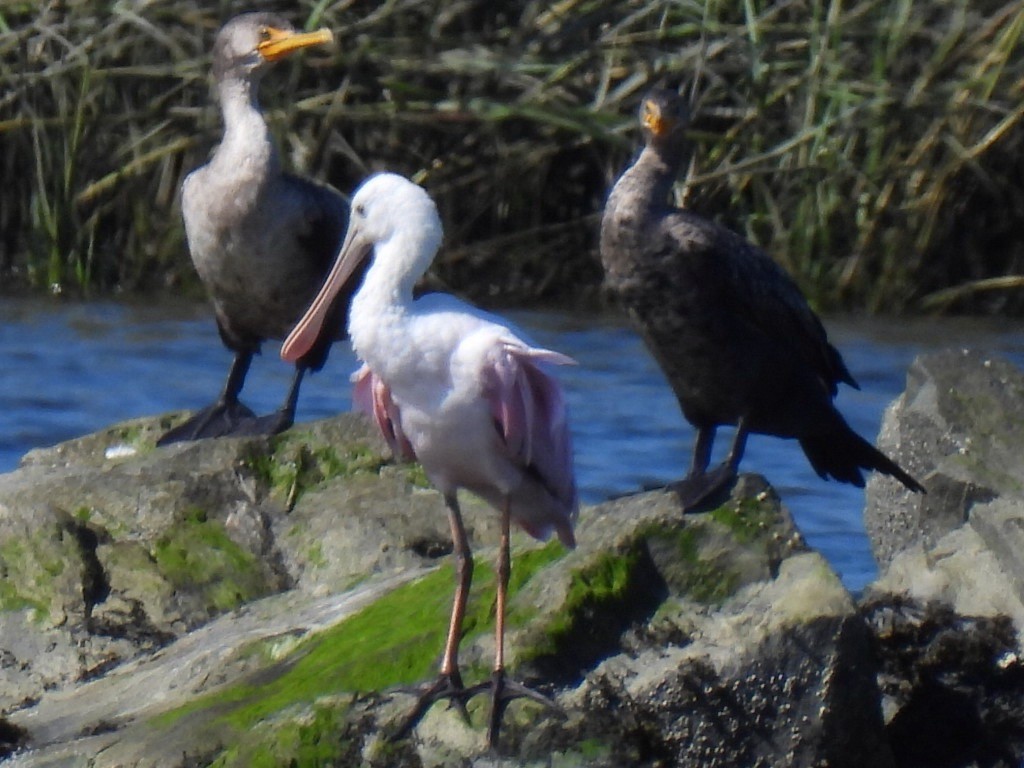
(449, 682)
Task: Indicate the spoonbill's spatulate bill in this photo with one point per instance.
(261, 240)
(732, 332)
(456, 389)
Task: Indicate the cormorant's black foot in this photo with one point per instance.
(447, 686)
(271, 424)
(215, 420)
(503, 691)
(696, 490)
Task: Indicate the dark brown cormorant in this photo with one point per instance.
(262, 240)
(732, 332)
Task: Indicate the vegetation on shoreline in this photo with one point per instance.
(873, 147)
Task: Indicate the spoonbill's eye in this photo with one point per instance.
(361, 210)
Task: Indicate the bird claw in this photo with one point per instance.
(227, 420)
(503, 692)
(695, 490)
(271, 424)
(447, 686)
(215, 420)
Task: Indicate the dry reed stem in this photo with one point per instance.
(873, 147)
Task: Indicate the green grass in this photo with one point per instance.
(747, 520)
(872, 147)
(12, 600)
(605, 581)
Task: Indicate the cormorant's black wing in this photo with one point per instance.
(325, 219)
(757, 290)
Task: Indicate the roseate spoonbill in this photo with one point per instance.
(731, 330)
(262, 240)
(457, 389)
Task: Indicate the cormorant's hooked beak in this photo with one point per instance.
(282, 42)
(354, 251)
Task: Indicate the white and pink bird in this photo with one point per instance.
(456, 389)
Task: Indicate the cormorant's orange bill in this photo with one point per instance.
(653, 120)
(279, 43)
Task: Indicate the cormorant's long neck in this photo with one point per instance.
(650, 180)
(247, 147)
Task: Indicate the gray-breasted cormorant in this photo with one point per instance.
(730, 329)
(262, 240)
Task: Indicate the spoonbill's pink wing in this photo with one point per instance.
(528, 408)
(371, 396)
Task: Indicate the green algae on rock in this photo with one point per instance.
(197, 555)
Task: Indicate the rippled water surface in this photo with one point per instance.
(72, 368)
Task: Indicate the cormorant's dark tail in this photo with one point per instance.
(842, 454)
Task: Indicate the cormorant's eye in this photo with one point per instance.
(265, 34)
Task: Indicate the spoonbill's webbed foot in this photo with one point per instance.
(217, 420)
(503, 692)
(449, 683)
(447, 686)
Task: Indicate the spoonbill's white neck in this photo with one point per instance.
(383, 308)
(398, 263)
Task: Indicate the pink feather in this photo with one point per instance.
(530, 414)
(371, 396)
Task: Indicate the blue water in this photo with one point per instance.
(72, 368)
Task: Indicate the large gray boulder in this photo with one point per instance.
(947, 612)
(959, 428)
(267, 601)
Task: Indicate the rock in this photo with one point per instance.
(138, 713)
(780, 677)
(960, 425)
(959, 428)
(103, 559)
(953, 685)
(947, 613)
(948, 622)
(963, 570)
(264, 601)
